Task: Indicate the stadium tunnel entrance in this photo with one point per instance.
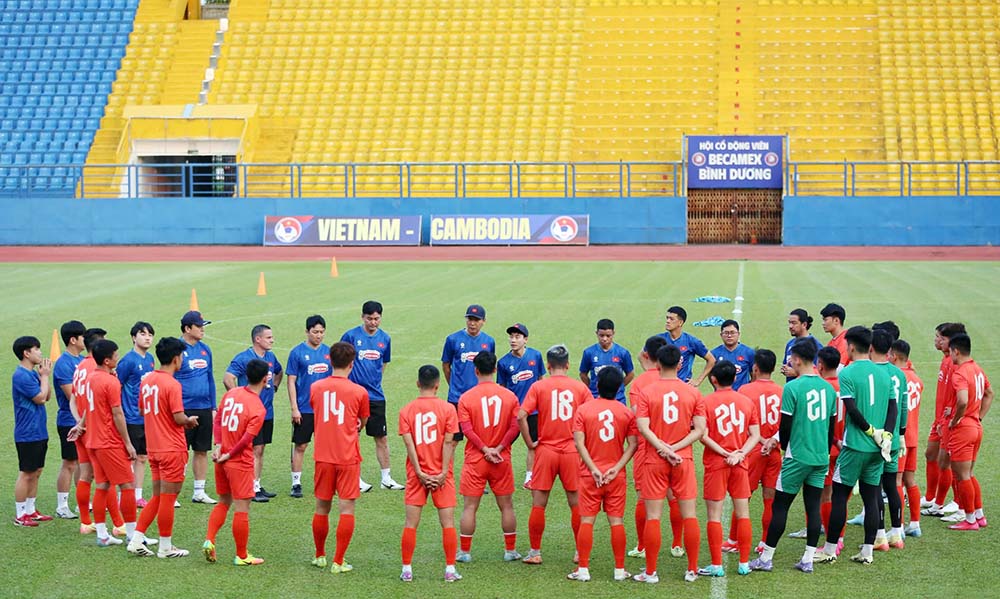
(734, 216)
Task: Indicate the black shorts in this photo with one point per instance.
(265, 434)
(199, 438)
(376, 420)
(302, 432)
(137, 434)
(67, 448)
(458, 436)
(533, 427)
(31, 455)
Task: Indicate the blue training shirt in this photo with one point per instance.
(307, 365)
(62, 374)
(788, 350)
(518, 374)
(595, 359)
(29, 417)
(196, 378)
(690, 347)
(132, 368)
(460, 350)
(741, 357)
(374, 351)
(238, 368)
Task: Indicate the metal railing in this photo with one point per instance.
(478, 179)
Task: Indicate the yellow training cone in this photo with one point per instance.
(194, 300)
(261, 286)
(333, 268)
(54, 350)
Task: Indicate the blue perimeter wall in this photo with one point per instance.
(914, 220)
(240, 221)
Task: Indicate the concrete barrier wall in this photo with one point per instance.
(240, 221)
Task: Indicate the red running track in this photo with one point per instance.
(221, 253)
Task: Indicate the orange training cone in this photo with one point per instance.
(55, 351)
(261, 286)
(194, 300)
(333, 268)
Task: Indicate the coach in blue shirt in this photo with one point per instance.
(30, 391)
(198, 391)
(734, 352)
(460, 348)
(606, 354)
(689, 345)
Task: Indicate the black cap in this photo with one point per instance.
(193, 318)
(517, 328)
(475, 311)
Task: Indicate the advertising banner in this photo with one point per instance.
(734, 161)
(528, 229)
(333, 230)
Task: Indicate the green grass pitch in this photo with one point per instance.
(424, 302)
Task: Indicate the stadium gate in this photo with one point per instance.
(734, 216)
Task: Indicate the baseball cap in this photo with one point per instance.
(475, 311)
(193, 318)
(517, 328)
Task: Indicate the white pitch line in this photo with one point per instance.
(738, 300)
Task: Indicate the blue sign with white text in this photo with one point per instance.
(734, 161)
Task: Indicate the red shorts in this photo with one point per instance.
(82, 453)
(944, 432)
(475, 475)
(727, 479)
(763, 470)
(345, 481)
(935, 434)
(416, 493)
(963, 443)
(908, 463)
(610, 496)
(828, 481)
(235, 480)
(550, 463)
(658, 477)
(168, 466)
(111, 465)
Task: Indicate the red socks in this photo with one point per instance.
(215, 520)
(824, 512)
(449, 540)
(979, 493)
(651, 534)
(465, 542)
(945, 480)
(574, 519)
(640, 524)
(585, 543)
(127, 505)
(536, 527)
(676, 523)
(967, 496)
(692, 541)
(345, 530)
(744, 537)
(100, 505)
(165, 514)
(714, 530)
(408, 544)
(83, 501)
(765, 519)
(241, 533)
(933, 472)
(510, 541)
(913, 497)
(732, 528)
(617, 544)
(148, 514)
(111, 501)
(321, 529)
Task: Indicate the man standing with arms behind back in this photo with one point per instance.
(460, 349)
(308, 363)
(374, 352)
(263, 340)
(198, 386)
(132, 368)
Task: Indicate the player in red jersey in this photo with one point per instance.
(111, 451)
(556, 399)
(973, 398)
(161, 403)
(671, 416)
(341, 410)
(428, 426)
(833, 323)
(487, 416)
(651, 374)
(733, 431)
(937, 442)
(238, 420)
(605, 436)
(906, 480)
(764, 461)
